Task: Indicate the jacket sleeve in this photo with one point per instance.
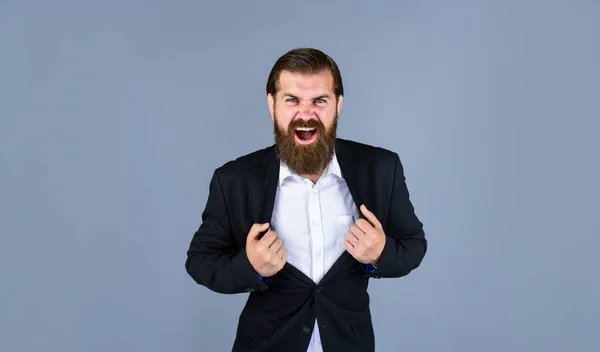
(405, 244)
(213, 259)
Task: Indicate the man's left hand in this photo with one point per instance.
(366, 240)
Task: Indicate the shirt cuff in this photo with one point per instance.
(370, 268)
(264, 279)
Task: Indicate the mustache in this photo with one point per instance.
(307, 124)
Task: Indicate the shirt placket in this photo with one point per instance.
(316, 234)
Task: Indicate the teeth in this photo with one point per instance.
(305, 129)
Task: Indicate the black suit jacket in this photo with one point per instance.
(279, 315)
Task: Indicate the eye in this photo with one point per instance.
(320, 101)
(290, 100)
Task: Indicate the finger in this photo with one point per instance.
(349, 247)
(276, 245)
(281, 252)
(268, 239)
(350, 237)
(256, 230)
(370, 216)
(364, 225)
(357, 231)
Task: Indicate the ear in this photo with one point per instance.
(340, 102)
(271, 103)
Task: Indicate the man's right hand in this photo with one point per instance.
(267, 255)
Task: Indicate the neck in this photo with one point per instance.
(313, 178)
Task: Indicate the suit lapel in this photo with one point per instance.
(350, 172)
(269, 188)
(357, 179)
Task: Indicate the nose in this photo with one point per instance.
(306, 111)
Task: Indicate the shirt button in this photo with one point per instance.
(318, 254)
(319, 343)
(316, 223)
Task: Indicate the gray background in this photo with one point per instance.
(115, 113)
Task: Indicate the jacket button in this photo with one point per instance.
(252, 288)
(319, 289)
(306, 328)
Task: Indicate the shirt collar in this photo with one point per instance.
(333, 168)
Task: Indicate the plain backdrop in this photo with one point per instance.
(114, 115)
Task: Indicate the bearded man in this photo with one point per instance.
(304, 224)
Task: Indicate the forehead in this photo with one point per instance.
(302, 84)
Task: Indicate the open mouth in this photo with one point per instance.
(306, 135)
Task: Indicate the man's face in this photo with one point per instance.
(305, 113)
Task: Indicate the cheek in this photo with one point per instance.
(328, 118)
(283, 127)
(284, 118)
(282, 123)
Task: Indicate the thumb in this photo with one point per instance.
(370, 216)
(256, 230)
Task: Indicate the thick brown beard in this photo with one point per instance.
(309, 159)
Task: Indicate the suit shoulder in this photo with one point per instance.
(366, 152)
(246, 162)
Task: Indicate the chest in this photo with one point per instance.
(309, 218)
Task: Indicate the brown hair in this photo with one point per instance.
(305, 61)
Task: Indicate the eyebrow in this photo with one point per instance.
(315, 98)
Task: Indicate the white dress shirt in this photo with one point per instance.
(313, 220)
